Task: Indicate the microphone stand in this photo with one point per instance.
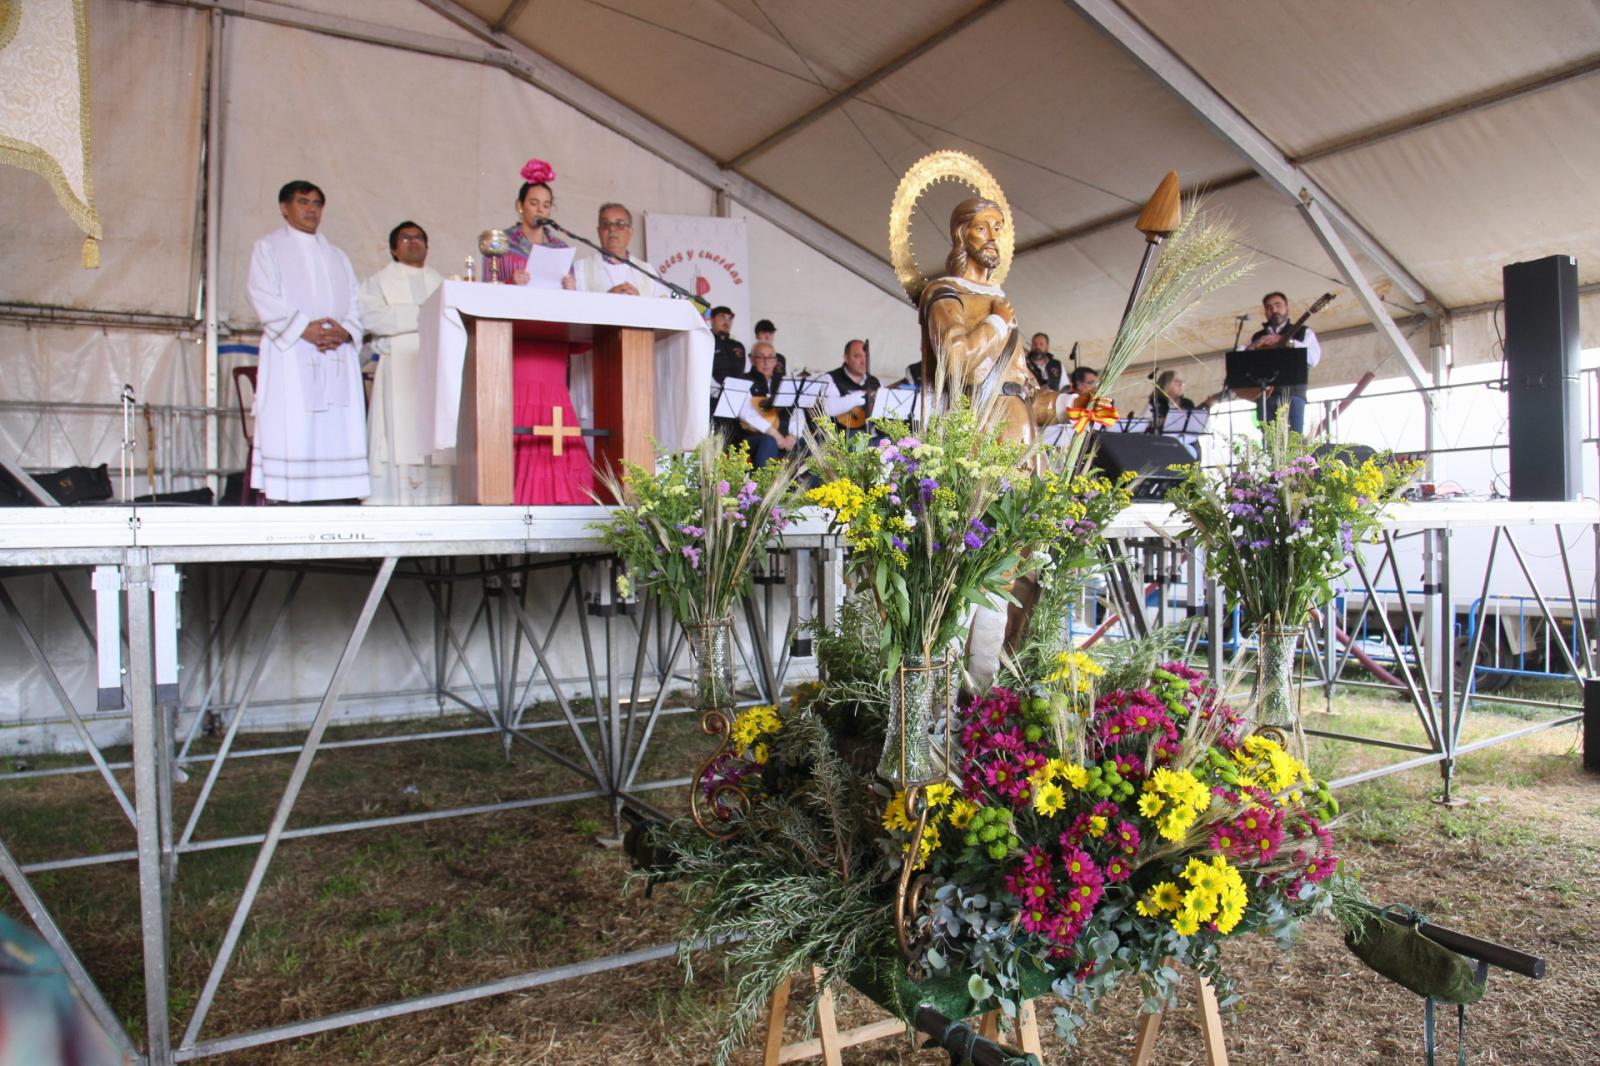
(677, 290)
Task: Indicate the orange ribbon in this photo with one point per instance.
(1098, 412)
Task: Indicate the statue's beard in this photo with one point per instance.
(988, 256)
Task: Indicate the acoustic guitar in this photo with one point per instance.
(1253, 393)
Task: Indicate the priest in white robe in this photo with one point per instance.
(400, 464)
(311, 426)
(607, 273)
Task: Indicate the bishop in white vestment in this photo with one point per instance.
(402, 469)
(310, 418)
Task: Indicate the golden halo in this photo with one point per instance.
(944, 165)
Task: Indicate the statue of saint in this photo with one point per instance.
(969, 331)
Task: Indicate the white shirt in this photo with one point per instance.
(598, 274)
(836, 403)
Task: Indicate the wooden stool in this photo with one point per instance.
(830, 1040)
(1144, 1044)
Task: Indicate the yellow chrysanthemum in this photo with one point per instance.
(962, 812)
(1049, 800)
(895, 816)
(938, 795)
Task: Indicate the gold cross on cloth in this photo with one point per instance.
(557, 431)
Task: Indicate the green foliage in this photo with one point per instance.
(1279, 525)
(800, 883)
(690, 531)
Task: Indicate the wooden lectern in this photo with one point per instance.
(624, 400)
(651, 372)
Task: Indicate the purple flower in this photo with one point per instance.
(909, 443)
(691, 531)
(722, 488)
(973, 541)
(927, 485)
(693, 555)
(899, 544)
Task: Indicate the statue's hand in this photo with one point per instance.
(1002, 307)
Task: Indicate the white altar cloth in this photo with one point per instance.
(684, 347)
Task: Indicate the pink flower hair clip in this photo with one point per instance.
(537, 170)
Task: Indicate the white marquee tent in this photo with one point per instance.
(1397, 154)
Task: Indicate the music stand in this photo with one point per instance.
(1129, 424)
(900, 404)
(731, 397)
(1261, 367)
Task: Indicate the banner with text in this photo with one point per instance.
(707, 255)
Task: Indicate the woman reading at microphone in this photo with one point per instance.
(549, 467)
(535, 203)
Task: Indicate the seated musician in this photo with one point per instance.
(1168, 396)
(849, 389)
(1083, 381)
(766, 429)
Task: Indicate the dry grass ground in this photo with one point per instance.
(356, 919)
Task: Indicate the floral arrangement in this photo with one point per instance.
(1114, 821)
(689, 531)
(1280, 523)
(945, 519)
(1095, 837)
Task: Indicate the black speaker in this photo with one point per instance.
(1151, 457)
(1542, 370)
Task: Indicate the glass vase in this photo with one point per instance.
(1275, 695)
(920, 693)
(711, 647)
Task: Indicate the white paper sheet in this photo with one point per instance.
(735, 391)
(547, 266)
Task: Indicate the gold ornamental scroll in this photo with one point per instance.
(44, 104)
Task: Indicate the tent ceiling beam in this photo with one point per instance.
(1503, 95)
(1228, 123)
(1322, 225)
(860, 86)
(1122, 218)
(523, 62)
(509, 15)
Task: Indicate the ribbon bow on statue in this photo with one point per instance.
(1089, 411)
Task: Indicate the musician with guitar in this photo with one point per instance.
(850, 389)
(1277, 332)
(767, 428)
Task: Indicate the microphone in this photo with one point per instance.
(546, 223)
(1244, 317)
(1072, 356)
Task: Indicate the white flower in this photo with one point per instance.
(910, 520)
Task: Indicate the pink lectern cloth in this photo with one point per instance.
(538, 389)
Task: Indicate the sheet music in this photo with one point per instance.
(1186, 423)
(547, 266)
(1137, 424)
(731, 401)
(798, 392)
(901, 404)
(1058, 435)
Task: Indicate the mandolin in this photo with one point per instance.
(1300, 323)
(857, 416)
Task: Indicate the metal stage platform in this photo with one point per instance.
(632, 653)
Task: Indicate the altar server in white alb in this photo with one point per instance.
(402, 470)
(311, 425)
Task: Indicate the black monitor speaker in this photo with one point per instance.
(1542, 378)
(1151, 457)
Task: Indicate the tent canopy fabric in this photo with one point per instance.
(1479, 114)
(1460, 137)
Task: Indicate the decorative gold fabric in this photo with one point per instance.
(44, 103)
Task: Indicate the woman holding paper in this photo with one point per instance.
(535, 202)
(551, 463)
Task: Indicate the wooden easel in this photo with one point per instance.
(1144, 1044)
(830, 1041)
